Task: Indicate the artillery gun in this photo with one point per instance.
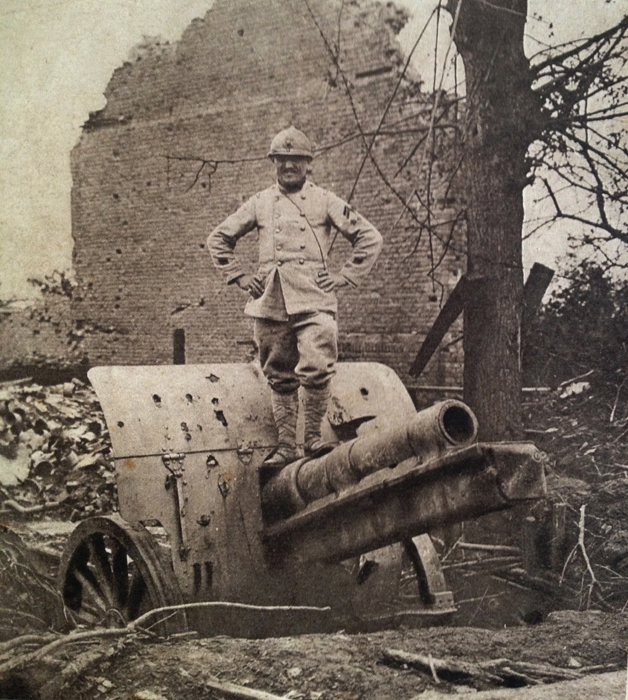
(339, 541)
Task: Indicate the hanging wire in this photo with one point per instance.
(390, 100)
(436, 48)
(430, 135)
(355, 113)
(431, 143)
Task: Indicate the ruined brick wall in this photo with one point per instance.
(37, 334)
(143, 202)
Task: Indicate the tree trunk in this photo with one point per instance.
(502, 114)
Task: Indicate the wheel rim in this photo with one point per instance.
(112, 572)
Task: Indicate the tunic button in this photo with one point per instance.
(302, 196)
(302, 227)
(279, 263)
(277, 230)
(301, 261)
(278, 246)
(302, 246)
(302, 213)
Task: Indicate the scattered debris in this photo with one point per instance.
(496, 672)
(587, 473)
(15, 468)
(28, 597)
(148, 695)
(231, 690)
(337, 666)
(54, 451)
(574, 389)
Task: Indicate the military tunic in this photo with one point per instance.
(295, 319)
(296, 230)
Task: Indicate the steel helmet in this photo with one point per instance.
(290, 142)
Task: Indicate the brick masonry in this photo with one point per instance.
(38, 338)
(182, 142)
(27, 332)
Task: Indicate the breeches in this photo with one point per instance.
(300, 351)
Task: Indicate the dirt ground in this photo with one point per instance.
(57, 440)
(322, 667)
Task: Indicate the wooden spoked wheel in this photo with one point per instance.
(112, 572)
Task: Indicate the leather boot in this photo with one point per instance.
(285, 413)
(315, 403)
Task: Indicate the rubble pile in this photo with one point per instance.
(55, 453)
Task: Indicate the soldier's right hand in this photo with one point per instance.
(251, 284)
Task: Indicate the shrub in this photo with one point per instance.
(583, 327)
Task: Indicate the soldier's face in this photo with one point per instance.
(291, 170)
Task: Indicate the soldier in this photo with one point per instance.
(292, 294)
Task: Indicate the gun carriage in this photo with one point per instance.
(339, 541)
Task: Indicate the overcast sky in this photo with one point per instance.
(56, 58)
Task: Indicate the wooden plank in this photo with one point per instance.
(453, 307)
(535, 287)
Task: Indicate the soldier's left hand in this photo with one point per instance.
(252, 284)
(328, 281)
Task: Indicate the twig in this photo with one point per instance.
(70, 673)
(566, 564)
(26, 639)
(524, 579)
(495, 671)
(192, 634)
(433, 669)
(519, 677)
(490, 561)
(28, 510)
(16, 382)
(223, 604)
(466, 601)
(136, 627)
(389, 103)
(490, 547)
(585, 556)
(600, 668)
(575, 379)
(239, 691)
(451, 549)
(53, 646)
(479, 605)
(620, 436)
(579, 47)
(538, 670)
(445, 667)
(157, 622)
(34, 618)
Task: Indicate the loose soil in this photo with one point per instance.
(338, 666)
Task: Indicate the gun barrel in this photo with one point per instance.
(460, 484)
(427, 435)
